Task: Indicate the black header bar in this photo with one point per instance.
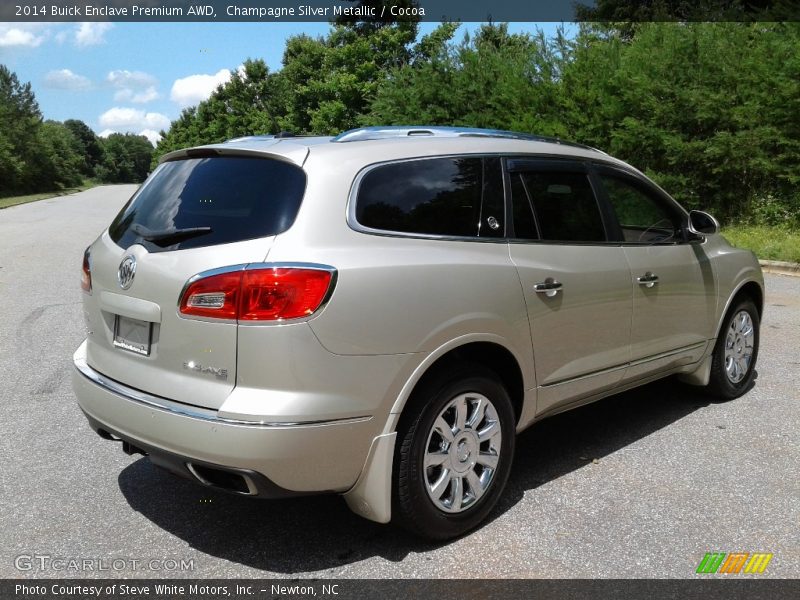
(266, 11)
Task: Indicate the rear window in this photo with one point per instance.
(207, 201)
(459, 196)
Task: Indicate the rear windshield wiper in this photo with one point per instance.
(167, 237)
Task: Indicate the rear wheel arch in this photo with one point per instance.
(371, 495)
(490, 355)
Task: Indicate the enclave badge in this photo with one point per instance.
(215, 371)
(127, 270)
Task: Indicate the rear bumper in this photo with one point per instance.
(237, 481)
(278, 459)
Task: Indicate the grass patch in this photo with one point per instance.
(769, 243)
(14, 200)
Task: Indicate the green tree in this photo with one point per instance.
(325, 86)
(90, 146)
(328, 82)
(59, 159)
(127, 158)
(707, 109)
(20, 120)
(252, 103)
(495, 79)
(703, 108)
(182, 133)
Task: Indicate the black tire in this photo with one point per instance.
(414, 508)
(722, 384)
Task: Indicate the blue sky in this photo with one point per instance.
(138, 76)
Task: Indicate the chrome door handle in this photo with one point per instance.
(648, 279)
(549, 287)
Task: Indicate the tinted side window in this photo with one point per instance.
(234, 198)
(439, 196)
(641, 217)
(564, 206)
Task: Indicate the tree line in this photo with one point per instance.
(708, 110)
(38, 155)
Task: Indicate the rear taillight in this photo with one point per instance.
(86, 273)
(258, 294)
(282, 293)
(216, 296)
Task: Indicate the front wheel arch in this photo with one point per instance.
(749, 290)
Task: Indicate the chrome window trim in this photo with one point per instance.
(352, 197)
(562, 243)
(186, 410)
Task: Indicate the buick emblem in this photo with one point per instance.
(127, 270)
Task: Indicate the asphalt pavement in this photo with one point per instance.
(642, 484)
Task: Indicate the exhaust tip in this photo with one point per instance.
(106, 436)
(130, 449)
(224, 480)
(127, 447)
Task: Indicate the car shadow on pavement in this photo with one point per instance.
(317, 533)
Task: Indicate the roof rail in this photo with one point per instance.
(249, 137)
(382, 133)
(283, 135)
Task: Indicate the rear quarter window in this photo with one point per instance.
(225, 199)
(449, 196)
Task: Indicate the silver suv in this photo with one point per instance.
(379, 314)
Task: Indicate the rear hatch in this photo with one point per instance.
(192, 215)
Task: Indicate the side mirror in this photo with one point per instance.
(702, 223)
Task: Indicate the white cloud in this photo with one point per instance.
(20, 34)
(123, 95)
(91, 34)
(123, 120)
(143, 97)
(133, 86)
(122, 78)
(65, 79)
(131, 120)
(151, 135)
(196, 88)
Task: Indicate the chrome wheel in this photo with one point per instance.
(462, 452)
(739, 345)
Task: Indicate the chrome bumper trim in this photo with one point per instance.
(194, 412)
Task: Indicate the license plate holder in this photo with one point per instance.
(132, 335)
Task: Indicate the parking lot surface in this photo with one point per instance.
(642, 484)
